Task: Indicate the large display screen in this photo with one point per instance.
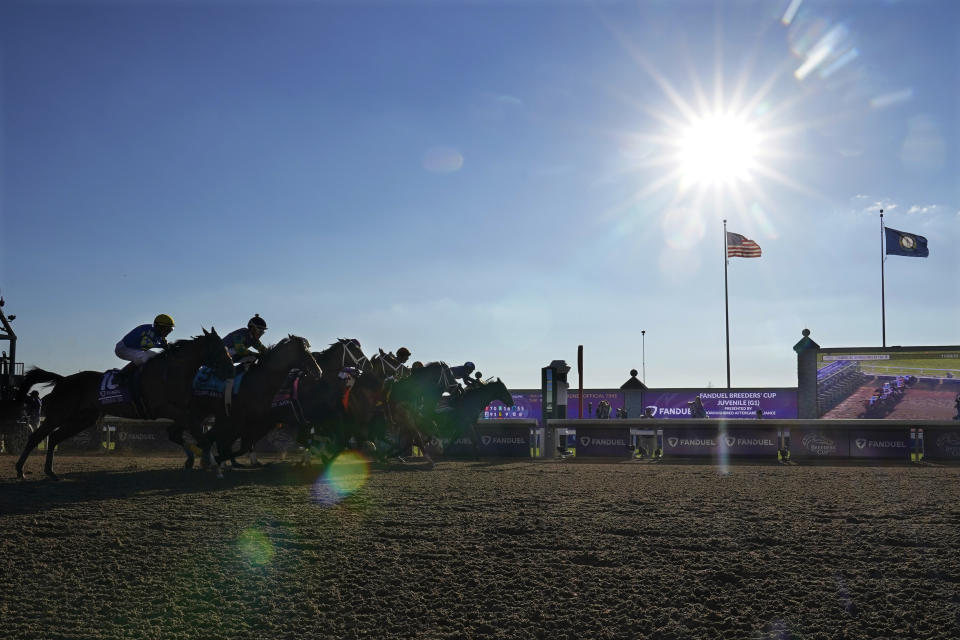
(901, 383)
(741, 404)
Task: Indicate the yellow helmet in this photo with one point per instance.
(163, 320)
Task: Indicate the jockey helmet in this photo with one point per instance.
(469, 366)
(163, 320)
(402, 354)
(258, 322)
(35, 393)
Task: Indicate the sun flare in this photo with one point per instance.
(718, 149)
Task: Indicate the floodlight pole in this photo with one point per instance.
(883, 288)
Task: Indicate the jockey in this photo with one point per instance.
(463, 373)
(403, 354)
(136, 345)
(239, 342)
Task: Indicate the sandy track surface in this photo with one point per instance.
(133, 548)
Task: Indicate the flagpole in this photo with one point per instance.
(726, 299)
(883, 288)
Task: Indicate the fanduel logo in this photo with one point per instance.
(762, 442)
(587, 441)
(949, 443)
(692, 442)
(488, 440)
(862, 443)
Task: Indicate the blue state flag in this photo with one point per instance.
(901, 243)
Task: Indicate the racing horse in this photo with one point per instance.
(253, 402)
(462, 418)
(388, 366)
(410, 404)
(74, 404)
(320, 408)
(345, 352)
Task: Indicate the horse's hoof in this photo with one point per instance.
(53, 476)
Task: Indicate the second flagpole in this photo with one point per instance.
(883, 288)
(726, 304)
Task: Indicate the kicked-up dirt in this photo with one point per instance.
(135, 548)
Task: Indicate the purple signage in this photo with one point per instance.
(941, 443)
(718, 440)
(880, 443)
(526, 405)
(690, 441)
(496, 441)
(749, 442)
(604, 442)
(816, 442)
(729, 403)
(591, 403)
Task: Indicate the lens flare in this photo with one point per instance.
(442, 160)
(255, 547)
(723, 453)
(343, 477)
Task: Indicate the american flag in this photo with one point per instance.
(739, 246)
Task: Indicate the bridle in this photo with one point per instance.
(354, 360)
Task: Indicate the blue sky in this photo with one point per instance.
(495, 182)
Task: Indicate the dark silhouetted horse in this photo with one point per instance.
(345, 352)
(252, 405)
(166, 380)
(462, 418)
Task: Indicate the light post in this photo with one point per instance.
(643, 357)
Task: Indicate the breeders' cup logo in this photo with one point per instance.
(818, 444)
(949, 443)
(861, 443)
(486, 440)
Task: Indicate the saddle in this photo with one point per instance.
(123, 386)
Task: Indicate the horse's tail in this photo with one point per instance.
(36, 376)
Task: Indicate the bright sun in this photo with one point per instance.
(716, 150)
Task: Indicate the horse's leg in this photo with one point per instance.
(175, 433)
(35, 438)
(67, 430)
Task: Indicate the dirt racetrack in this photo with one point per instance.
(132, 548)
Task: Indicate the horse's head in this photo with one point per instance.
(293, 352)
(501, 392)
(215, 354)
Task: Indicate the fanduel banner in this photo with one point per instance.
(494, 441)
(941, 443)
(808, 442)
(604, 442)
(711, 441)
(730, 403)
(690, 441)
(143, 437)
(880, 443)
